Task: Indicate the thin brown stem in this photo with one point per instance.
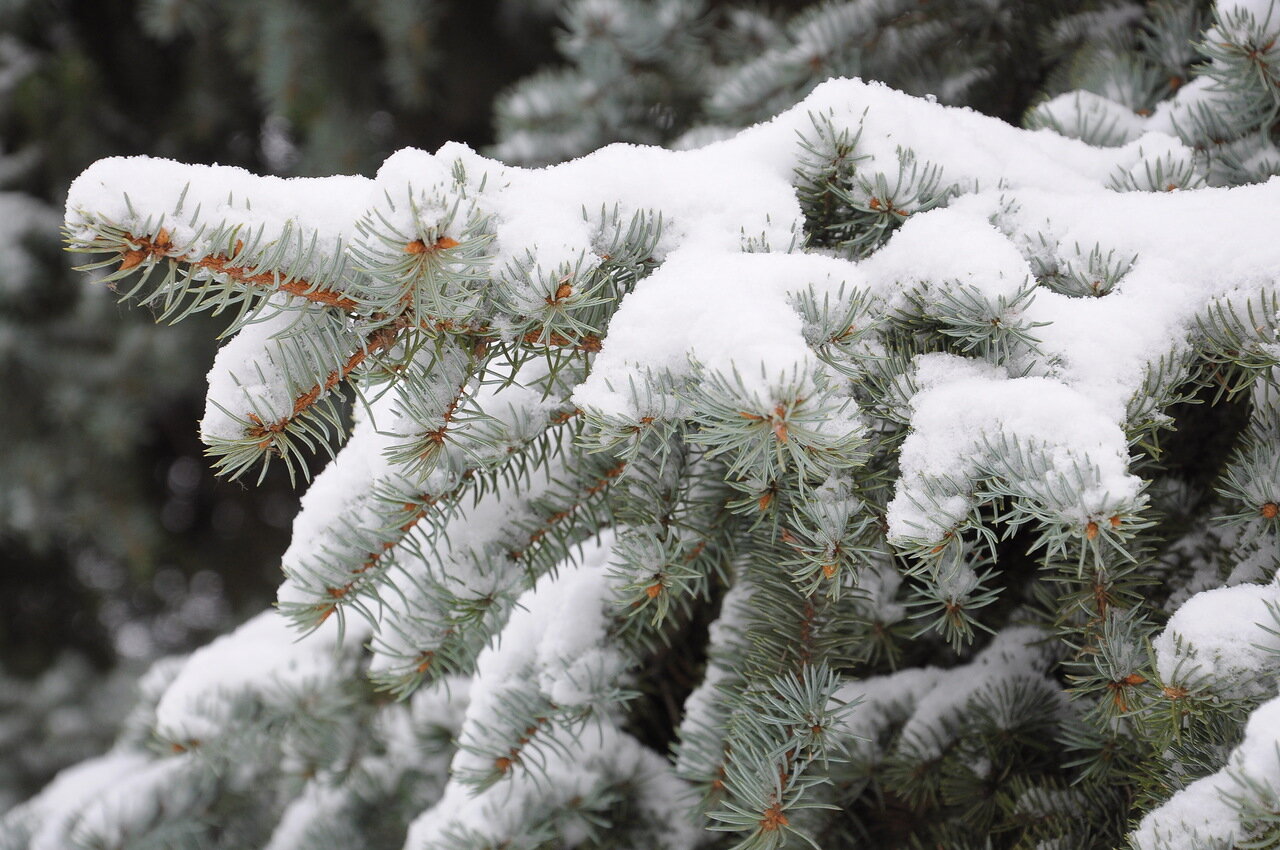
(161, 246)
(379, 340)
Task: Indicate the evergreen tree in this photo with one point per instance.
(910, 478)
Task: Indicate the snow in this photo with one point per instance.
(709, 199)
(251, 374)
(356, 497)
(553, 645)
(262, 659)
(142, 194)
(575, 768)
(1263, 11)
(441, 707)
(701, 195)
(881, 703)
(1220, 638)
(345, 488)
(1238, 21)
(1190, 248)
(53, 814)
(170, 789)
(725, 312)
(1015, 654)
(956, 423)
(416, 192)
(566, 659)
(1202, 812)
(300, 819)
(946, 249)
(1179, 112)
(329, 810)
(1083, 114)
(470, 557)
(706, 707)
(21, 217)
(974, 151)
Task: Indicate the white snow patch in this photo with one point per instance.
(1202, 812)
(1221, 637)
(263, 659)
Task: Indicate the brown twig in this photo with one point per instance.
(161, 246)
(596, 486)
(380, 339)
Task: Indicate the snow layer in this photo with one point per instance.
(574, 771)
(470, 557)
(1085, 115)
(264, 368)
(358, 497)
(21, 217)
(1015, 655)
(553, 645)
(1202, 812)
(954, 414)
(974, 151)
(725, 312)
(263, 660)
(566, 659)
(1263, 11)
(881, 703)
(1244, 23)
(1225, 639)
(142, 194)
(53, 814)
(1092, 354)
(169, 789)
